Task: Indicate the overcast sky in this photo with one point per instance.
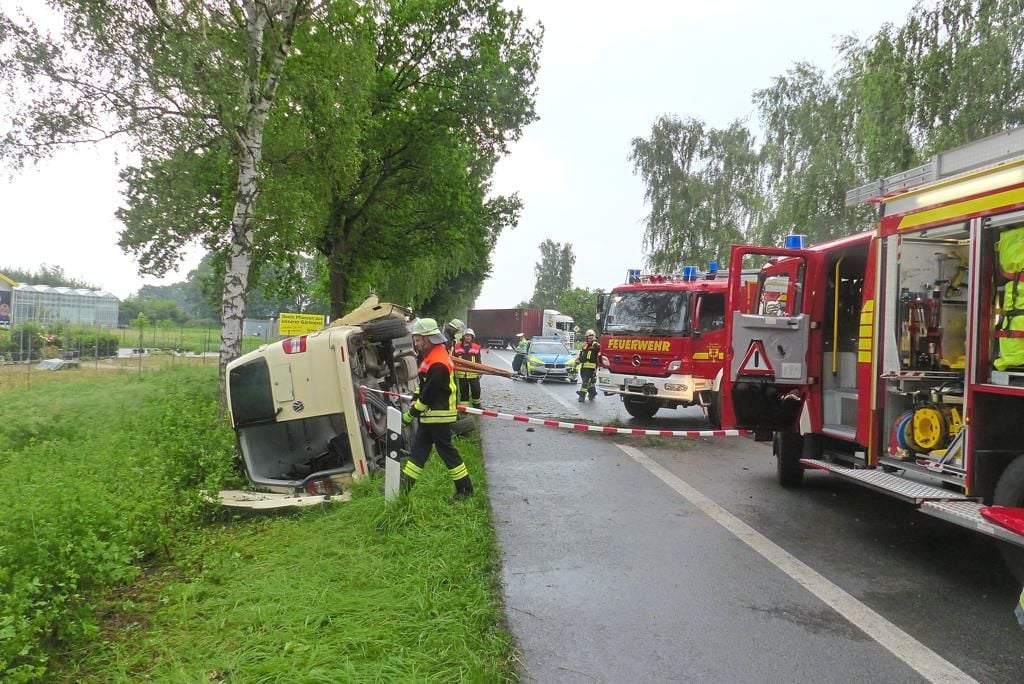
(606, 74)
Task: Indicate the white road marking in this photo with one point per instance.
(919, 657)
(566, 405)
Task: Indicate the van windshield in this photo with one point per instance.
(651, 312)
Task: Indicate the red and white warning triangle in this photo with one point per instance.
(756, 362)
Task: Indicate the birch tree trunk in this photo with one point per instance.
(263, 74)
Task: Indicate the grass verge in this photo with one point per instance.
(357, 592)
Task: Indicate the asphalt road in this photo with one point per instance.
(632, 559)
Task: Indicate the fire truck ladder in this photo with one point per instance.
(970, 157)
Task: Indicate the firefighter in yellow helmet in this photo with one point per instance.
(589, 355)
(434, 408)
(469, 382)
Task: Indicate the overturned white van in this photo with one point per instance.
(306, 431)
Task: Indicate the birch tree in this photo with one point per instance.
(171, 80)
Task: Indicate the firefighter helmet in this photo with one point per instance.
(456, 325)
(469, 331)
(427, 327)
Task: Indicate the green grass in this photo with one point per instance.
(97, 474)
(357, 592)
(113, 569)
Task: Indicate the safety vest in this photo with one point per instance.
(470, 353)
(521, 347)
(589, 354)
(1010, 329)
(439, 407)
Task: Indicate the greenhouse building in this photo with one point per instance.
(46, 304)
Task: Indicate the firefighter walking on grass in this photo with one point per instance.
(469, 382)
(434, 407)
(589, 354)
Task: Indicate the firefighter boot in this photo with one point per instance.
(582, 394)
(407, 483)
(463, 490)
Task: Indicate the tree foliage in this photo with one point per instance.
(702, 186)
(181, 81)
(53, 276)
(553, 274)
(581, 304)
(953, 72)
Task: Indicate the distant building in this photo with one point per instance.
(46, 304)
(6, 297)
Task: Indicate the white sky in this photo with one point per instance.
(607, 71)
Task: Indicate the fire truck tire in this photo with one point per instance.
(384, 329)
(789, 449)
(715, 410)
(640, 408)
(1010, 492)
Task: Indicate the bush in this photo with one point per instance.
(96, 475)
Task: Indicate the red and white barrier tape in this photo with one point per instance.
(583, 427)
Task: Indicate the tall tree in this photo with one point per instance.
(453, 83)
(808, 161)
(179, 80)
(553, 274)
(702, 187)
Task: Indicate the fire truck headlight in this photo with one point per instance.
(604, 361)
(674, 366)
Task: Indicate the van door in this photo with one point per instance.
(764, 385)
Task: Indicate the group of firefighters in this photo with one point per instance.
(442, 389)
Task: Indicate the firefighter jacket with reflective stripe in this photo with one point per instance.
(435, 402)
(467, 352)
(588, 354)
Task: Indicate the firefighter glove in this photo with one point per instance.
(406, 418)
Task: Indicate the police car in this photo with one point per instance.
(547, 358)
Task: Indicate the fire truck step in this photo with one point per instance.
(900, 487)
(966, 514)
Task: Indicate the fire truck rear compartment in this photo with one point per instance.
(288, 453)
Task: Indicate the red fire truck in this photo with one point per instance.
(895, 358)
(663, 341)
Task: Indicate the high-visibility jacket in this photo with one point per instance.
(1010, 330)
(589, 354)
(521, 347)
(436, 398)
(468, 352)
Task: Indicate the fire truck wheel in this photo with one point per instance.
(384, 329)
(640, 408)
(1010, 492)
(789, 449)
(715, 410)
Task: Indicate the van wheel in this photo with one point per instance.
(1010, 492)
(789, 449)
(640, 408)
(384, 329)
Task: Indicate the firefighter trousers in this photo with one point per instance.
(439, 435)
(469, 391)
(588, 382)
